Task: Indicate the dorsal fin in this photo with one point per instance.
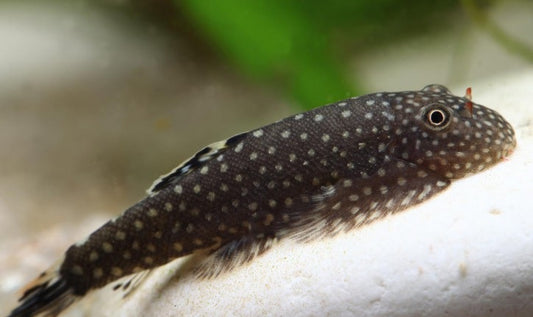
(196, 161)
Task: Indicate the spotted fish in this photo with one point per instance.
(307, 176)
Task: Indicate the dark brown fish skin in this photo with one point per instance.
(309, 175)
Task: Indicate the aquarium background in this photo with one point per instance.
(99, 98)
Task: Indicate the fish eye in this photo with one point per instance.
(437, 117)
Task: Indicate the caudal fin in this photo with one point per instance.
(47, 295)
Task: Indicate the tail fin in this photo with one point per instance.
(47, 295)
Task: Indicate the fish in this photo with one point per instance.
(309, 176)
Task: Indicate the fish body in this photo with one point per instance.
(310, 175)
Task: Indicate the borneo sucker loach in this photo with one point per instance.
(310, 175)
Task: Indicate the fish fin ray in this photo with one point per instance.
(47, 295)
(129, 284)
(232, 255)
(196, 161)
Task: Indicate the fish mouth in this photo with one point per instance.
(508, 150)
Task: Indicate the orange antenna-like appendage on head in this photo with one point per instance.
(468, 96)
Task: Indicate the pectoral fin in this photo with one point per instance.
(350, 203)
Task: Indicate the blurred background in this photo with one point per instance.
(99, 98)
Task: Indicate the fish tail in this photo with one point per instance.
(47, 295)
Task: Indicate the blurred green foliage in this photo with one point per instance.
(480, 17)
(302, 46)
(275, 41)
